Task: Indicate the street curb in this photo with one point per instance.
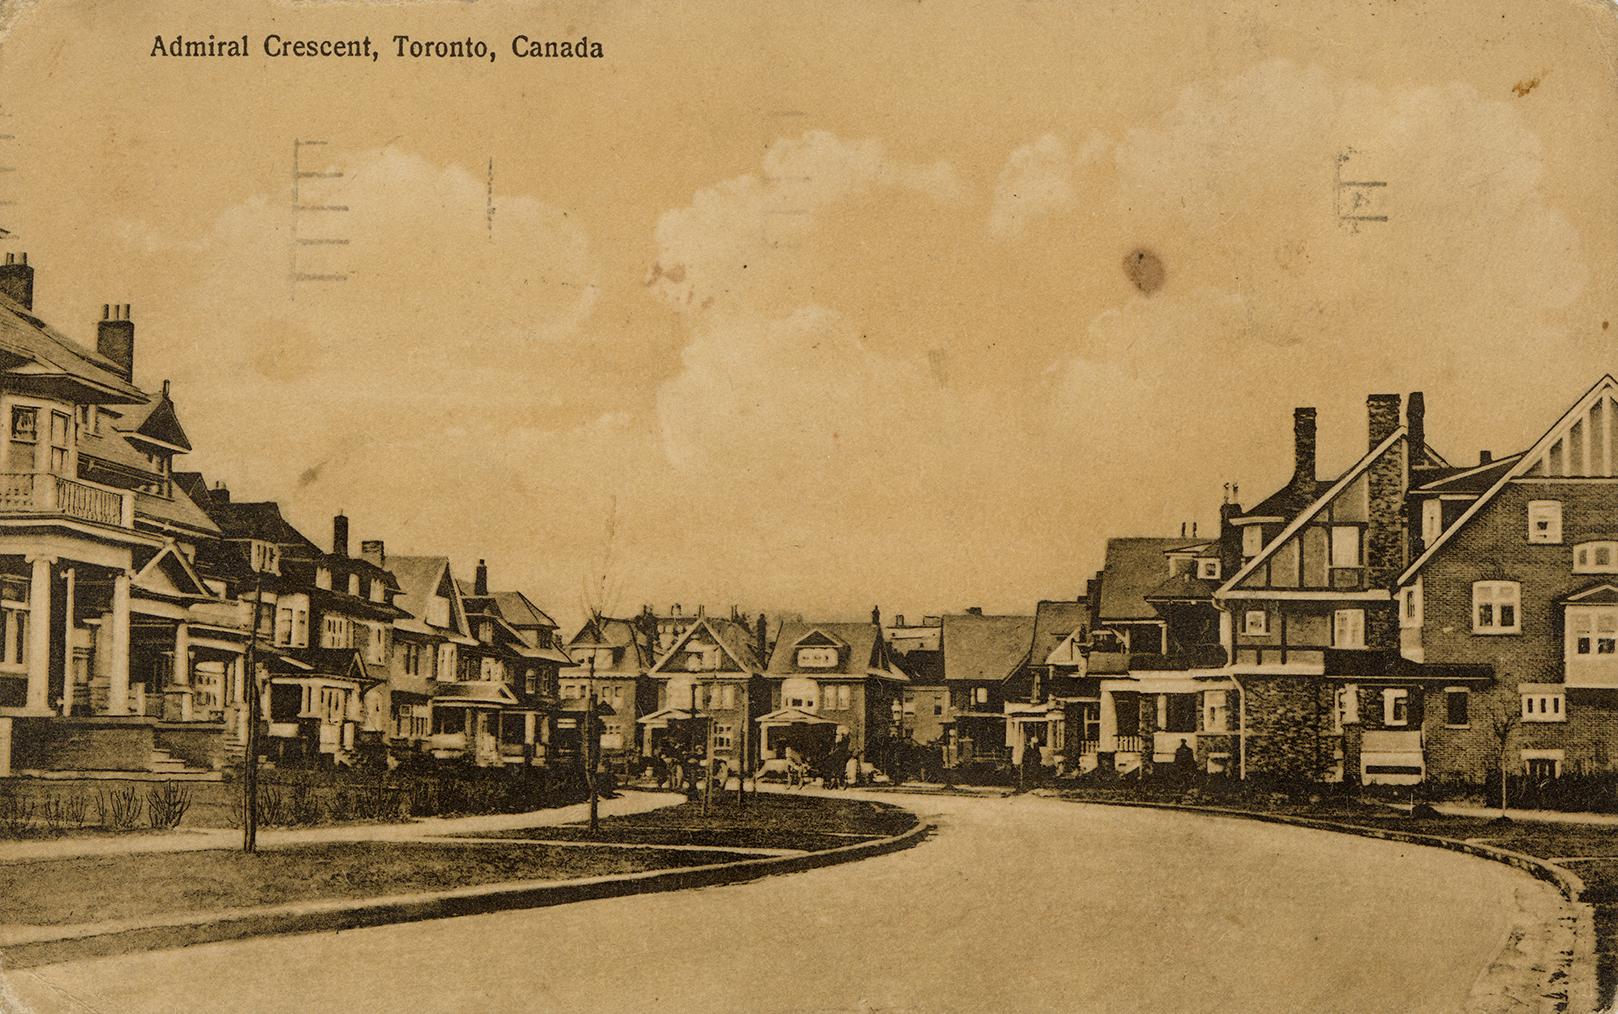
(1579, 971)
(440, 905)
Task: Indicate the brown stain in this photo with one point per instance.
(1144, 270)
(1604, 325)
(1522, 88)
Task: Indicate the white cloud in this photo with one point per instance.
(1036, 182)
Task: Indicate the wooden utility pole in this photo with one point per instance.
(250, 761)
(741, 768)
(707, 756)
(592, 751)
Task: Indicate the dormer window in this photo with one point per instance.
(817, 657)
(1595, 558)
(1545, 521)
(354, 585)
(1208, 570)
(377, 591)
(265, 557)
(323, 578)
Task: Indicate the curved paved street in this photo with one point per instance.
(1017, 904)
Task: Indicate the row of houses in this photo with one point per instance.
(1408, 619)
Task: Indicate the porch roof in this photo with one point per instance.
(793, 716)
(665, 716)
(474, 694)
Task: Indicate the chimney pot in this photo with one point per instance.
(115, 339)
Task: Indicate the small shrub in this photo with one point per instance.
(166, 805)
(271, 805)
(120, 809)
(16, 815)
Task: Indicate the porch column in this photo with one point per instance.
(5, 747)
(69, 583)
(39, 634)
(1108, 732)
(118, 664)
(182, 667)
(236, 673)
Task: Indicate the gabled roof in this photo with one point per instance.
(1134, 567)
(168, 572)
(520, 611)
(860, 650)
(985, 647)
(1551, 454)
(613, 632)
(262, 521)
(420, 578)
(157, 421)
(1055, 622)
(1600, 593)
(1359, 468)
(733, 639)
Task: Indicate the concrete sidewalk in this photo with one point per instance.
(38, 850)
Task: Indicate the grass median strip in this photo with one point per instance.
(776, 821)
(151, 885)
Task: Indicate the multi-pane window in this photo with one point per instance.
(1256, 621)
(14, 634)
(1544, 706)
(724, 736)
(1496, 607)
(292, 625)
(1410, 605)
(412, 658)
(61, 441)
(1545, 521)
(22, 452)
(1591, 648)
(1216, 711)
(1348, 628)
(1595, 558)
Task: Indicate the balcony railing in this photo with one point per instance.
(1127, 744)
(45, 493)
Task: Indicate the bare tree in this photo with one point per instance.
(598, 594)
(1499, 723)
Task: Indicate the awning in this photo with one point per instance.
(666, 716)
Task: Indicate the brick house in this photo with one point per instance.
(838, 675)
(433, 711)
(1517, 577)
(613, 655)
(1156, 645)
(984, 657)
(711, 674)
(517, 646)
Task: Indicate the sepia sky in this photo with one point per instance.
(815, 306)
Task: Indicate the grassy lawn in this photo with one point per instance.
(768, 820)
(122, 887)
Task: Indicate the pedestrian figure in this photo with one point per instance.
(851, 771)
(1185, 761)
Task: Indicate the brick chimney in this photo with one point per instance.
(373, 551)
(762, 636)
(480, 579)
(115, 338)
(17, 280)
(1416, 428)
(220, 492)
(339, 534)
(1303, 444)
(1485, 457)
(876, 616)
(1386, 483)
(1381, 417)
